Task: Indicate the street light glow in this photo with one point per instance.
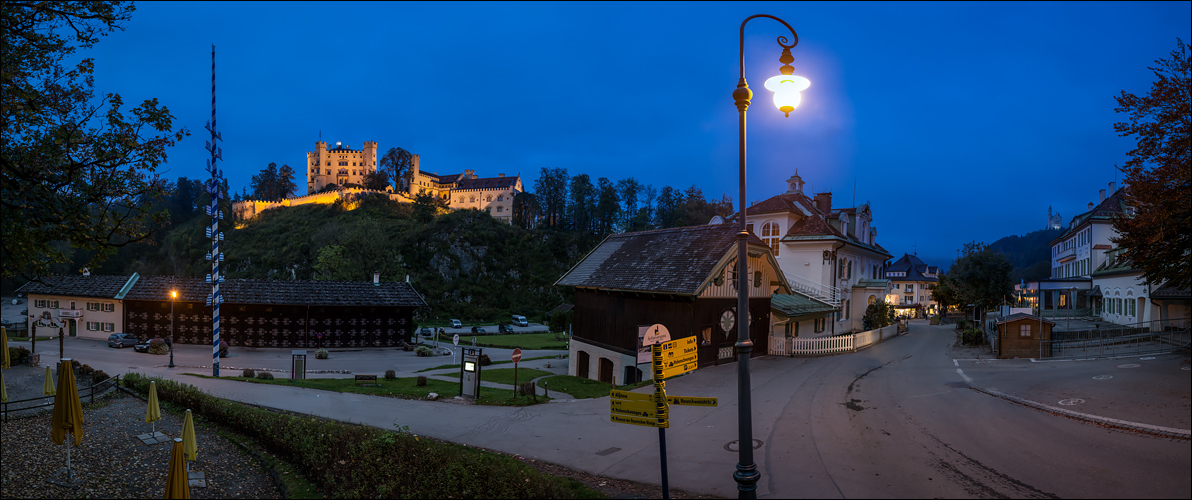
(786, 90)
(173, 294)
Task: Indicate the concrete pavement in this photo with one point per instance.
(701, 452)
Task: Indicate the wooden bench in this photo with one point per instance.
(370, 379)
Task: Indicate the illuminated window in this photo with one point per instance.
(1024, 331)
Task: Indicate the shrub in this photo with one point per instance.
(321, 353)
(248, 373)
(98, 376)
(879, 314)
(76, 365)
(484, 360)
(527, 389)
(265, 376)
(86, 370)
(223, 349)
(420, 381)
(158, 346)
(390, 375)
(972, 336)
(358, 461)
(18, 355)
(424, 351)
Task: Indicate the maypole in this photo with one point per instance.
(213, 232)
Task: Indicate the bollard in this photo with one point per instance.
(546, 388)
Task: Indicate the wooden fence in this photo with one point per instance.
(832, 345)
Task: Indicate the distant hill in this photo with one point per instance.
(1029, 253)
(466, 264)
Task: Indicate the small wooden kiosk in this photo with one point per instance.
(1020, 335)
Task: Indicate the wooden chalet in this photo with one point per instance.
(276, 313)
(1022, 335)
(683, 278)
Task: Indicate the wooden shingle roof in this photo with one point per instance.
(671, 261)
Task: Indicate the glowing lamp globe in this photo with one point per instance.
(786, 90)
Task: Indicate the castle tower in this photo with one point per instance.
(414, 189)
(316, 168)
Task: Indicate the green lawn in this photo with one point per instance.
(26, 339)
(511, 340)
(584, 388)
(444, 367)
(404, 388)
(505, 375)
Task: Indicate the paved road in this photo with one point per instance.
(894, 420)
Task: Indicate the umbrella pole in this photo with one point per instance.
(68, 474)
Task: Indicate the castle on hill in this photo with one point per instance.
(342, 166)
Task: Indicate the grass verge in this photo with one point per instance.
(355, 461)
(444, 367)
(403, 388)
(584, 388)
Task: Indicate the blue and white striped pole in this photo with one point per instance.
(213, 211)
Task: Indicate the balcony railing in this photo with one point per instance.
(1066, 255)
(826, 293)
(70, 313)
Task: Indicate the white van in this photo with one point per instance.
(456, 324)
(520, 320)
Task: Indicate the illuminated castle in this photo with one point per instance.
(339, 165)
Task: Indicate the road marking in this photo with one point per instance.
(1103, 377)
(1130, 365)
(955, 363)
(1186, 368)
(965, 377)
(1148, 358)
(1071, 402)
(1178, 433)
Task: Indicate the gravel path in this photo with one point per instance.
(113, 463)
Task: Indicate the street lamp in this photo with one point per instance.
(173, 295)
(786, 88)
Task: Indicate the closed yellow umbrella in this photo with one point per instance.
(7, 363)
(177, 483)
(3, 390)
(48, 388)
(68, 411)
(189, 445)
(153, 412)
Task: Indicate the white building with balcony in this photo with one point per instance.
(830, 254)
(86, 306)
(910, 282)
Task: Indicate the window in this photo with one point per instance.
(489, 198)
(770, 236)
(706, 336)
(500, 197)
(472, 199)
(107, 327)
(92, 306)
(846, 309)
(897, 285)
(1024, 331)
(92, 326)
(499, 209)
(821, 324)
(910, 288)
(53, 304)
(109, 307)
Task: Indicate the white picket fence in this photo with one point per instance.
(831, 345)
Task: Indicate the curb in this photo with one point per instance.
(1154, 430)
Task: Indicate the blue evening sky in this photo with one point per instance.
(956, 121)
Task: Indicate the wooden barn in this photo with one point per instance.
(683, 278)
(1021, 335)
(275, 313)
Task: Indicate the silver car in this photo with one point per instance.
(121, 340)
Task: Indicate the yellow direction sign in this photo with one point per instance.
(676, 370)
(648, 422)
(690, 401)
(685, 345)
(670, 362)
(631, 396)
(624, 406)
(640, 413)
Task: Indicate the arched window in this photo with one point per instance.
(500, 197)
(770, 236)
(471, 199)
(872, 299)
(489, 198)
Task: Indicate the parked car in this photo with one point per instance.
(503, 328)
(456, 324)
(141, 346)
(478, 329)
(121, 340)
(520, 320)
(426, 332)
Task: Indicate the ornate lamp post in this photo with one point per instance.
(173, 295)
(786, 88)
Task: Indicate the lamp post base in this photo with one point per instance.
(747, 478)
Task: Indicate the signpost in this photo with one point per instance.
(669, 358)
(454, 342)
(516, 358)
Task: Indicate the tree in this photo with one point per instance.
(399, 165)
(285, 186)
(668, 211)
(981, 276)
(70, 170)
(265, 183)
(427, 206)
(607, 209)
(879, 314)
(551, 190)
(525, 210)
(581, 207)
(182, 201)
(944, 293)
(628, 191)
(377, 180)
(1158, 238)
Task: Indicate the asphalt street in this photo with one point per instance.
(895, 420)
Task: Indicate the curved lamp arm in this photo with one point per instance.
(781, 40)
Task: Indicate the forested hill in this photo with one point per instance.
(466, 264)
(1028, 253)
